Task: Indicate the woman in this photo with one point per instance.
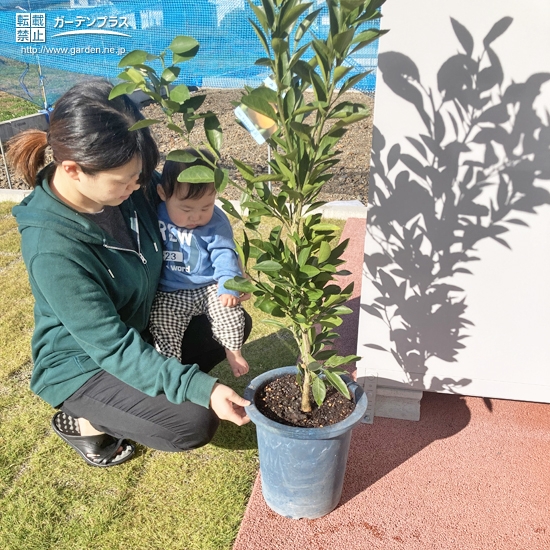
(91, 244)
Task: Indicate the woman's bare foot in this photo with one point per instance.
(86, 428)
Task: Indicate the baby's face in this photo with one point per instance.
(191, 213)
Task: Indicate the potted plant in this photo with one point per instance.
(292, 272)
(292, 279)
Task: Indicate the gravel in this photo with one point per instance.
(350, 175)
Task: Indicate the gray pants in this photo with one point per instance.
(172, 312)
(122, 411)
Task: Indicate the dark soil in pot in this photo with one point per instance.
(280, 400)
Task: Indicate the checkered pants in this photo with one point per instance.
(172, 312)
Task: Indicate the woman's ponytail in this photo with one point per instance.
(26, 154)
(90, 129)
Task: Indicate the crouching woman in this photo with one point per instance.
(92, 248)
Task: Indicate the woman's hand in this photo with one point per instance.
(228, 405)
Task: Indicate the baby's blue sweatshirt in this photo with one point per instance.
(194, 258)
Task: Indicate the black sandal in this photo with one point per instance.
(97, 450)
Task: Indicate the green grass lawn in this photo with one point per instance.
(49, 498)
(14, 107)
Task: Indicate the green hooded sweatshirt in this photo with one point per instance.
(92, 302)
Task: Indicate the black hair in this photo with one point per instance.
(184, 190)
(89, 129)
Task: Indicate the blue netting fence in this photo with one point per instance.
(48, 45)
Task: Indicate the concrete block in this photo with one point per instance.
(13, 195)
(12, 127)
(402, 404)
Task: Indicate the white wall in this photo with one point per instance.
(506, 336)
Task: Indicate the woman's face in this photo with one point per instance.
(88, 193)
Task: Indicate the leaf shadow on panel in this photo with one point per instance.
(436, 195)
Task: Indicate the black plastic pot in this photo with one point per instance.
(302, 469)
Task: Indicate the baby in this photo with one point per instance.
(199, 257)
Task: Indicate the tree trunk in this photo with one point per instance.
(306, 404)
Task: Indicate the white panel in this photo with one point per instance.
(506, 329)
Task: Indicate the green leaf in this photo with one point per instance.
(342, 310)
(319, 390)
(269, 177)
(322, 55)
(325, 354)
(179, 155)
(269, 11)
(305, 24)
(124, 76)
(314, 366)
(170, 74)
(319, 87)
(369, 36)
(291, 16)
(365, 43)
(297, 54)
(221, 179)
(265, 93)
(122, 88)
(318, 227)
(171, 106)
(180, 93)
(340, 72)
(324, 252)
(240, 284)
(175, 128)
(260, 15)
(304, 255)
(303, 131)
(268, 266)
(280, 46)
(135, 75)
(335, 381)
(356, 117)
(331, 322)
(304, 109)
(352, 81)
(261, 36)
(347, 108)
(259, 105)
(336, 360)
(184, 46)
(135, 57)
(303, 70)
(351, 4)
(310, 270)
(229, 208)
(143, 124)
(213, 131)
(145, 68)
(193, 104)
(267, 305)
(197, 174)
(342, 41)
(246, 171)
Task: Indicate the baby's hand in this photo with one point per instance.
(229, 300)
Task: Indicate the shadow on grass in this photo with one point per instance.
(263, 354)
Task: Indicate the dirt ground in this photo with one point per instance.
(350, 175)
